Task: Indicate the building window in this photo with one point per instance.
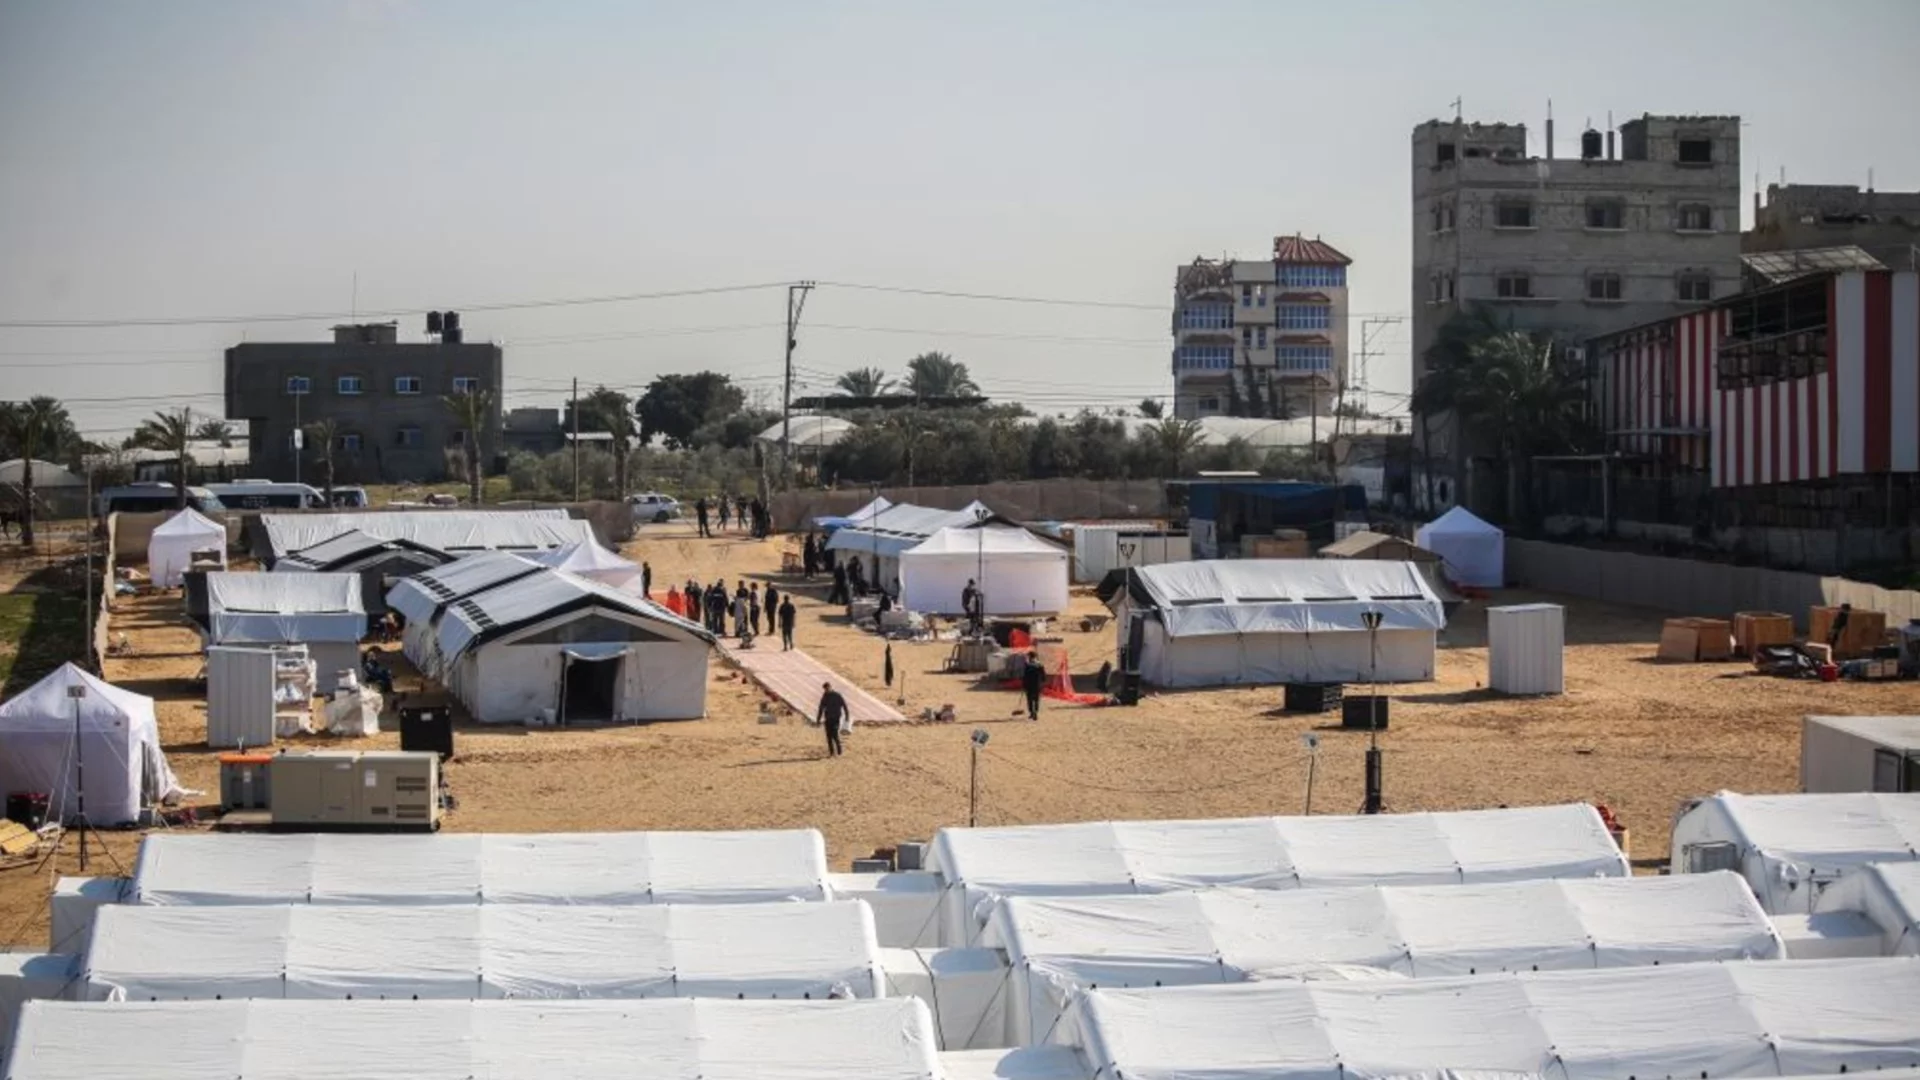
(350, 442)
(1246, 337)
(1696, 217)
(1436, 287)
(1603, 286)
(347, 384)
(406, 436)
(1606, 214)
(466, 384)
(1303, 357)
(1513, 214)
(1246, 296)
(1260, 337)
(1303, 316)
(1695, 287)
(1451, 282)
(1206, 317)
(1298, 276)
(1696, 151)
(1513, 286)
(457, 438)
(299, 384)
(1446, 219)
(406, 384)
(1204, 357)
(1210, 404)
(1442, 153)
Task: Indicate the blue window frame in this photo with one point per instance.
(1304, 317)
(1203, 357)
(1296, 276)
(1260, 338)
(1206, 317)
(1303, 357)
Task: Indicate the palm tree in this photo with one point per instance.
(1447, 361)
(1174, 438)
(324, 435)
(937, 375)
(612, 411)
(470, 408)
(214, 431)
(864, 382)
(170, 431)
(1152, 409)
(1518, 390)
(34, 426)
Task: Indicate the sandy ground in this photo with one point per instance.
(1634, 734)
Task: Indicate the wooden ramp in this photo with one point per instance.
(795, 678)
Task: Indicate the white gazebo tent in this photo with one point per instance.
(1017, 572)
(589, 560)
(170, 549)
(1473, 552)
(119, 743)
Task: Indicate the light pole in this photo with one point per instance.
(973, 778)
(1312, 743)
(1374, 796)
(76, 693)
(980, 515)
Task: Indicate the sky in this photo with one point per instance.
(226, 159)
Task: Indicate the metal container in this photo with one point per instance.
(245, 781)
(239, 697)
(1526, 646)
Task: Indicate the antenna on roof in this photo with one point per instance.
(1456, 110)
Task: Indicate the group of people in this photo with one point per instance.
(711, 606)
(741, 513)
(849, 581)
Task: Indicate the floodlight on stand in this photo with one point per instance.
(980, 736)
(979, 743)
(1375, 797)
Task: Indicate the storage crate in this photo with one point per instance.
(1362, 711)
(1865, 631)
(1313, 697)
(1753, 630)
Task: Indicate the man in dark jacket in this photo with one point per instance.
(700, 515)
(831, 713)
(773, 606)
(786, 623)
(1032, 677)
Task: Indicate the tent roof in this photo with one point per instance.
(491, 868)
(1828, 830)
(815, 430)
(419, 596)
(45, 706)
(584, 558)
(773, 949)
(1888, 893)
(1900, 731)
(990, 540)
(900, 526)
(1460, 521)
(346, 547)
(1718, 1020)
(1242, 596)
(483, 616)
(45, 474)
(672, 1039)
(1409, 930)
(1364, 542)
(190, 522)
(1091, 858)
(441, 530)
(283, 594)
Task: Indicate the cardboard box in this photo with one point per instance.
(1754, 630)
(1688, 640)
(1865, 631)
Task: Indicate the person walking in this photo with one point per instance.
(753, 608)
(700, 514)
(725, 511)
(773, 607)
(809, 558)
(673, 600)
(646, 579)
(787, 615)
(969, 600)
(741, 628)
(838, 594)
(831, 713)
(1032, 678)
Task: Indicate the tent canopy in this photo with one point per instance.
(490, 613)
(1250, 596)
(590, 560)
(289, 607)
(1828, 831)
(349, 547)
(1474, 551)
(418, 597)
(762, 950)
(488, 868)
(45, 474)
(1718, 1020)
(171, 546)
(1000, 540)
(119, 746)
(1018, 573)
(441, 530)
(897, 527)
(679, 1038)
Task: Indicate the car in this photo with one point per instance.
(653, 506)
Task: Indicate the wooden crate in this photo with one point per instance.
(1865, 631)
(1753, 630)
(1690, 639)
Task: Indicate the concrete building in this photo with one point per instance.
(1576, 246)
(1796, 217)
(385, 398)
(1261, 337)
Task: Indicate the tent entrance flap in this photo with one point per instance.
(590, 685)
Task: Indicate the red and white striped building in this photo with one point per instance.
(1817, 379)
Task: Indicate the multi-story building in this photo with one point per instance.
(1573, 246)
(1261, 337)
(385, 398)
(1797, 217)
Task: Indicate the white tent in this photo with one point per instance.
(1888, 896)
(1474, 552)
(1790, 847)
(119, 745)
(880, 531)
(768, 950)
(679, 1039)
(441, 530)
(354, 551)
(1215, 623)
(1057, 946)
(170, 549)
(589, 560)
(422, 598)
(486, 868)
(556, 646)
(321, 611)
(1018, 573)
(1100, 858)
(45, 474)
(1715, 1020)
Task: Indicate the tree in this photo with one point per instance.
(864, 382)
(1447, 360)
(1152, 409)
(1171, 440)
(612, 412)
(470, 408)
(214, 431)
(1519, 390)
(324, 435)
(937, 375)
(170, 431)
(675, 406)
(33, 427)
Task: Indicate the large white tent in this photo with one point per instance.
(1685, 1020)
(1886, 895)
(486, 868)
(880, 531)
(766, 950)
(422, 598)
(1790, 847)
(1473, 552)
(1017, 572)
(681, 1039)
(119, 748)
(589, 560)
(321, 611)
(982, 865)
(441, 530)
(171, 546)
(554, 646)
(1217, 623)
(1057, 946)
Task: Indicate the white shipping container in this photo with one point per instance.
(1860, 753)
(1098, 549)
(1526, 647)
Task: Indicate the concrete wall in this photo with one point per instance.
(1689, 587)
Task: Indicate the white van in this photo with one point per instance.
(150, 497)
(267, 495)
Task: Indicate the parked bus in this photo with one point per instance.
(153, 497)
(267, 495)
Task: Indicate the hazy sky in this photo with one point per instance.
(240, 157)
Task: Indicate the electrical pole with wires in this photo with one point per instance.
(796, 302)
(576, 441)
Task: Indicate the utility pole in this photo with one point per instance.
(796, 302)
(576, 440)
